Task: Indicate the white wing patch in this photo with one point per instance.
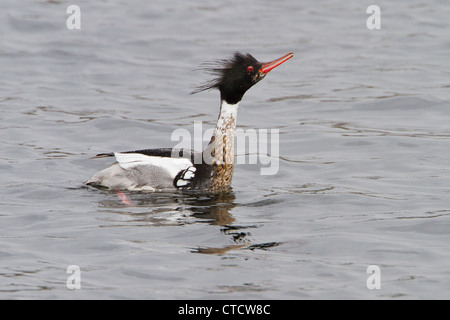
(128, 161)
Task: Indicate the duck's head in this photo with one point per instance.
(236, 75)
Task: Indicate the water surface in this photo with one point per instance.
(364, 157)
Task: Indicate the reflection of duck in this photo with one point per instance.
(211, 208)
(216, 209)
(212, 169)
(172, 208)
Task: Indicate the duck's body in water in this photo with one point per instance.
(209, 170)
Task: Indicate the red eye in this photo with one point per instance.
(250, 68)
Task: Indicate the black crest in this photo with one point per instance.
(233, 77)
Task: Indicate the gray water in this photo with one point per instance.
(364, 153)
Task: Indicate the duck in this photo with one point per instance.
(210, 170)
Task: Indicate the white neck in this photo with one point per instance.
(221, 145)
(227, 118)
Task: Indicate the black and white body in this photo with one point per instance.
(179, 169)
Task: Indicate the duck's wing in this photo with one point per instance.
(157, 152)
(172, 165)
(148, 169)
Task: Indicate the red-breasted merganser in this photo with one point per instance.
(182, 169)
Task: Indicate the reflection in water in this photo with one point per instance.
(178, 209)
(167, 208)
(223, 250)
(215, 208)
